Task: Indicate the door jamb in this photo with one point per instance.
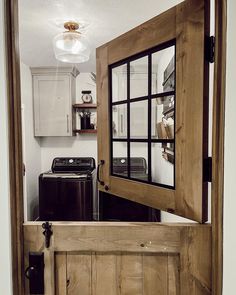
(217, 195)
(15, 144)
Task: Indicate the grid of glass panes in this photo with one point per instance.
(142, 119)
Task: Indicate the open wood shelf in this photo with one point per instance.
(83, 131)
(84, 106)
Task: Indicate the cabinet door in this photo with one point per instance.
(152, 87)
(52, 105)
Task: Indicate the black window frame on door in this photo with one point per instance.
(149, 98)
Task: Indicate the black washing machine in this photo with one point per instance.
(68, 192)
(113, 208)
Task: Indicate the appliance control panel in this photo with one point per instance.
(72, 164)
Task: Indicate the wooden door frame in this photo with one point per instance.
(15, 143)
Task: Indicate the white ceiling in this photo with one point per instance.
(107, 19)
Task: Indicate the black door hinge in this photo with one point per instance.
(210, 49)
(207, 170)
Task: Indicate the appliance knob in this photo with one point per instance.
(71, 161)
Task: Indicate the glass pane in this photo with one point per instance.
(163, 117)
(163, 163)
(139, 119)
(120, 158)
(139, 160)
(139, 77)
(163, 70)
(119, 83)
(119, 121)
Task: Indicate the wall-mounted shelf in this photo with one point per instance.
(84, 106)
(84, 131)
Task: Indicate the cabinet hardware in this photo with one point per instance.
(47, 233)
(102, 162)
(67, 121)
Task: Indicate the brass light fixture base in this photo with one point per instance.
(71, 26)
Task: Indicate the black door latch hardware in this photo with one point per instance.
(47, 233)
(102, 162)
(35, 273)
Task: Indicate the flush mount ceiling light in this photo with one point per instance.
(70, 46)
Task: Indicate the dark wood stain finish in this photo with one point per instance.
(15, 142)
(218, 145)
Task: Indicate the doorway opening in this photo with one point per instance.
(54, 138)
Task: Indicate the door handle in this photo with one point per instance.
(67, 122)
(35, 273)
(102, 162)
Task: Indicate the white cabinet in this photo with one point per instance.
(53, 96)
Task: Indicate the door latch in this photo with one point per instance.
(47, 233)
(35, 273)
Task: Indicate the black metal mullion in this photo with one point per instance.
(163, 94)
(149, 118)
(119, 102)
(128, 118)
(144, 53)
(111, 119)
(141, 98)
(157, 140)
(149, 97)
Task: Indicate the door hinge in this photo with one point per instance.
(210, 49)
(207, 169)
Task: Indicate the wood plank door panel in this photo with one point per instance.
(117, 273)
(123, 258)
(186, 27)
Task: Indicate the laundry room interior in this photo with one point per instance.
(59, 111)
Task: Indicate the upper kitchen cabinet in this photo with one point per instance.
(53, 96)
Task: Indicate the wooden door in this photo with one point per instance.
(98, 258)
(175, 152)
(123, 258)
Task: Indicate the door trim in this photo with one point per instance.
(15, 143)
(217, 195)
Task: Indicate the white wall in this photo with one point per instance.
(230, 157)
(5, 246)
(31, 147)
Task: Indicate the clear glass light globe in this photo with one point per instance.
(71, 47)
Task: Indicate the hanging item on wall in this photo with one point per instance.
(86, 96)
(93, 77)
